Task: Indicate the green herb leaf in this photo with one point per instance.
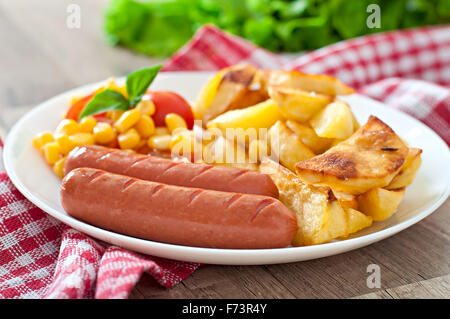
(138, 83)
(105, 101)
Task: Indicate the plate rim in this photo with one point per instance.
(249, 256)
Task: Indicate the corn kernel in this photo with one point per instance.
(174, 121)
(160, 142)
(161, 130)
(58, 167)
(146, 107)
(87, 124)
(114, 115)
(103, 133)
(67, 126)
(128, 140)
(64, 143)
(184, 144)
(51, 152)
(81, 139)
(127, 120)
(141, 144)
(145, 126)
(42, 138)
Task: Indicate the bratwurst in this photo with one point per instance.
(175, 214)
(157, 169)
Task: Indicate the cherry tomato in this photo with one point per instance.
(170, 102)
(77, 107)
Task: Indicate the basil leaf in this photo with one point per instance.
(105, 101)
(138, 83)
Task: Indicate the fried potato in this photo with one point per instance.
(356, 220)
(334, 121)
(297, 104)
(320, 218)
(370, 158)
(262, 115)
(222, 151)
(380, 203)
(322, 84)
(207, 95)
(287, 146)
(342, 222)
(409, 170)
(239, 86)
(309, 137)
(346, 200)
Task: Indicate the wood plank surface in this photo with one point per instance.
(40, 57)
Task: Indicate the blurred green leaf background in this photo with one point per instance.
(160, 27)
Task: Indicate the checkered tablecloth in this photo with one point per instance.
(42, 258)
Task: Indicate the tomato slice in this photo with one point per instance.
(170, 102)
(77, 107)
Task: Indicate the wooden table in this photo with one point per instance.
(40, 57)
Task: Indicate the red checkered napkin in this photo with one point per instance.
(40, 257)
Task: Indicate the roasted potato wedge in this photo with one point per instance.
(261, 115)
(346, 200)
(379, 203)
(334, 121)
(370, 158)
(309, 137)
(207, 95)
(239, 86)
(356, 220)
(298, 105)
(322, 84)
(287, 146)
(222, 151)
(320, 217)
(409, 170)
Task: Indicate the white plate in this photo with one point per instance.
(34, 178)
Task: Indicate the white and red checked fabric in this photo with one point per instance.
(42, 258)
(213, 49)
(426, 101)
(422, 53)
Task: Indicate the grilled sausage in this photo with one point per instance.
(175, 214)
(166, 171)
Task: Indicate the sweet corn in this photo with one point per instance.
(128, 140)
(51, 152)
(127, 120)
(174, 121)
(184, 144)
(161, 130)
(114, 115)
(87, 124)
(67, 126)
(141, 144)
(160, 142)
(147, 107)
(65, 144)
(42, 138)
(103, 133)
(58, 167)
(145, 126)
(257, 150)
(81, 139)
